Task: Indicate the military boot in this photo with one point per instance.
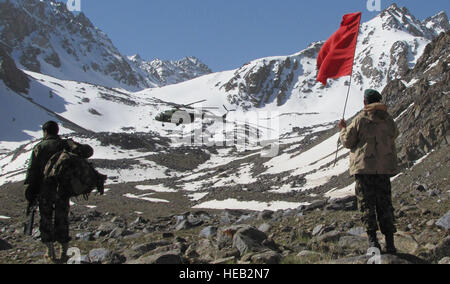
(63, 252)
(373, 240)
(390, 244)
(50, 255)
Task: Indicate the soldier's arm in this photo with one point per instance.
(32, 169)
(31, 183)
(349, 135)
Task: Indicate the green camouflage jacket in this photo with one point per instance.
(40, 155)
(371, 139)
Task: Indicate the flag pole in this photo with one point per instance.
(348, 94)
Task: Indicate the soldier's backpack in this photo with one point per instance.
(73, 173)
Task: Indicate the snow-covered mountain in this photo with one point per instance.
(388, 46)
(44, 37)
(171, 72)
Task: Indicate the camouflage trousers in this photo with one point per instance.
(54, 212)
(375, 202)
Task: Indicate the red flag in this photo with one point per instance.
(338, 53)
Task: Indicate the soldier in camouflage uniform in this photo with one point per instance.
(373, 161)
(53, 203)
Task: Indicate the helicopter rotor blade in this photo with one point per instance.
(195, 103)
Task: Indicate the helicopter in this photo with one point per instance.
(167, 115)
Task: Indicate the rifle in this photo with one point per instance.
(28, 227)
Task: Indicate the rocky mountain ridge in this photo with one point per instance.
(44, 37)
(388, 46)
(172, 72)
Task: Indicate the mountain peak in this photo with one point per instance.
(438, 22)
(400, 18)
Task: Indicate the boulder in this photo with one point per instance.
(105, 229)
(317, 230)
(170, 257)
(142, 249)
(357, 231)
(365, 259)
(355, 243)
(265, 215)
(248, 239)
(332, 236)
(104, 256)
(308, 253)
(405, 243)
(265, 228)
(444, 222)
(209, 232)
(86, 237)
(267, 257)
(443, 248)
(317, 204)
(225, 235)
(226, 260)
(4, 245)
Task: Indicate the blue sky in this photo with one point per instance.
(225, 34)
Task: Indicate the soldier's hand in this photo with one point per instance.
(342, 124)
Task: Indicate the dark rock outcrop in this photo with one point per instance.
(14, 78)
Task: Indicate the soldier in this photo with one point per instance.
(373, 161)
(53, 203)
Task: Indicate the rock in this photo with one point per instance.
(268, 257)
(265, 228)
(356, 243)
(84, 259)
(445, 260)
(170, 257)
(365, 259)
(139, 221)
(105, 229)
(230, 216)
(308, 253)
(142, 249)
(248, 239)
(133, 236)
(420, 187)
(4, 245)
(318, 230)
(244, 219)
(119, 232)
(209, 232)
(357, 231)
(265, 215)
(347, 204)
(225, 235)
(317, 204)
(444, 222)
(183, 225)
(226, 260)
(167, 235)
(405, 243)
(104, 256)
(430, 223)
(118, 221)
(86, 237)
(332, 236)
(11, 75)
(443, 248)
(205, 250)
